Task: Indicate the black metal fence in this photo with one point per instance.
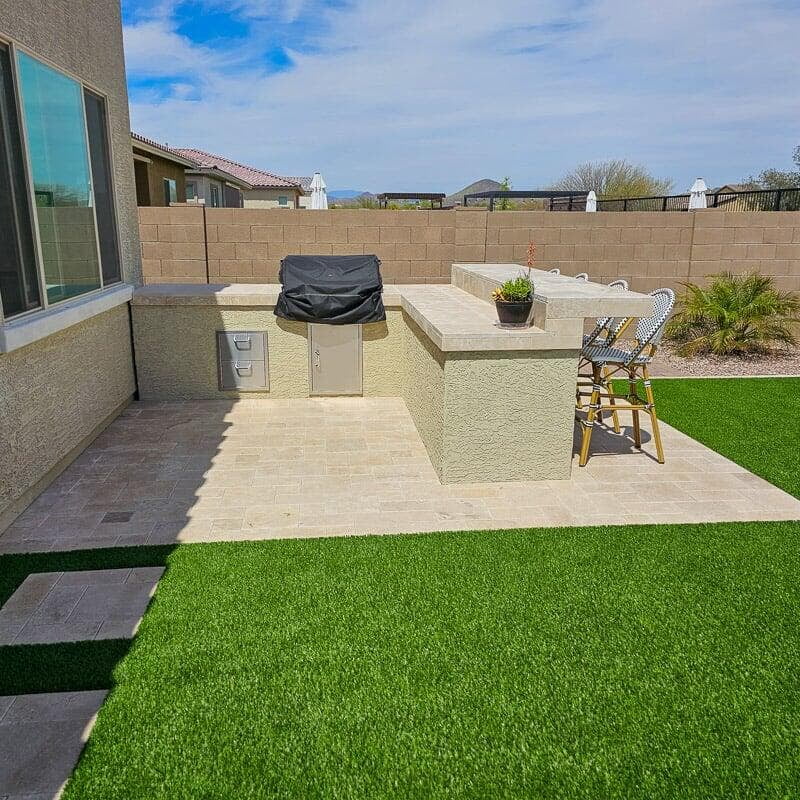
(757, 200)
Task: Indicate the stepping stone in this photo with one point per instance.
(41, 738)
(52, 607)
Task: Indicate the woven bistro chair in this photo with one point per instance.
(606, 332)
(606, 326)
(610, 360)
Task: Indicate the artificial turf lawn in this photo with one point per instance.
(649, 661)
(753, 421)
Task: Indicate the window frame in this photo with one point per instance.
(46, 307)
(168, 185)
(284, 197)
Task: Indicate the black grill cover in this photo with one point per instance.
(338, 290)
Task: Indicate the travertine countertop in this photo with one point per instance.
(565, 297)
(456, 317)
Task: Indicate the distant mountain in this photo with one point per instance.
(483, 185)
(346, 194)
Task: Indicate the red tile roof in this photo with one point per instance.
(257, 178)
(168, 151)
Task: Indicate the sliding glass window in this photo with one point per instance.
(100, 157)
(19, 283)
(55, 128)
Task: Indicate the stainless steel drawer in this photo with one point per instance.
(243, 375)
(249, 345)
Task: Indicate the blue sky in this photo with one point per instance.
(414, 95)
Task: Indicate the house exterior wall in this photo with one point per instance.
(270, 198)
(159, 169)
(60, 391)
(55, 396)
(649, 249)
(203, 185)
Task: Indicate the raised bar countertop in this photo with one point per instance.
(456, 317)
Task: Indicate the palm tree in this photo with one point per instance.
(734, 315)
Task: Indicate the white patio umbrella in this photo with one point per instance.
(697, 194)
(591, 201)
(319, 200)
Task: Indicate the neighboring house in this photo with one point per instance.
(304, 201)
(160, 172)
(256, 187)
(731, 188)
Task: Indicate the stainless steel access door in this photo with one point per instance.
(334, 361)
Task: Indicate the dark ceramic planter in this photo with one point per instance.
(513, 313)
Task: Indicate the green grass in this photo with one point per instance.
(631, 662)
(754, 422)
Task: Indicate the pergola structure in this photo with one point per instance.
(434, 197)
(573, 199)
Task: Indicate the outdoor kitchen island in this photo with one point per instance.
(490, 404)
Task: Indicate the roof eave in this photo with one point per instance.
(221, 174)
(167, 155)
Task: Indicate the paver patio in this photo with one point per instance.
(73, 606)
(254, 469)
(41, 737)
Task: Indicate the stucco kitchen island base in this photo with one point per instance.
(490, 404)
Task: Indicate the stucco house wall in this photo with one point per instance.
(157, 170)
(59, 391)
(270, 198)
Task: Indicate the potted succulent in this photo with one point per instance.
(514, 298)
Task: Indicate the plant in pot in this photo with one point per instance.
(514, 298)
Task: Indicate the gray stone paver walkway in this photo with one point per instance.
(74, 606)
(199, 471)
(41, 738)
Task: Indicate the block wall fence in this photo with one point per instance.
(649, 249)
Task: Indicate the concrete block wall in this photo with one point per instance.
(649, 249)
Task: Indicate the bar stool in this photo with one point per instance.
(609, 360)
(609, 328)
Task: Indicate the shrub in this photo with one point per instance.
(734, 315)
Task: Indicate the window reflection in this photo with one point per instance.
(56, 137)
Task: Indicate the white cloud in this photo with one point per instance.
(430, 96)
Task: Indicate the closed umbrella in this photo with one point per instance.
(697, 194)
(319, 200)
(591, 201)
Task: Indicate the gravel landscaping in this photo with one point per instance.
(668, 364)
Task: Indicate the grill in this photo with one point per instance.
(333, 290)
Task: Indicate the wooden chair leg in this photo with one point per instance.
(637, 431)
(588, 423)
(648, 389)
(612, 401)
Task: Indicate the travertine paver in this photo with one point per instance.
(41, 738)
(258, 469)
(74, 606)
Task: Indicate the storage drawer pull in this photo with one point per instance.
(245, 367)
